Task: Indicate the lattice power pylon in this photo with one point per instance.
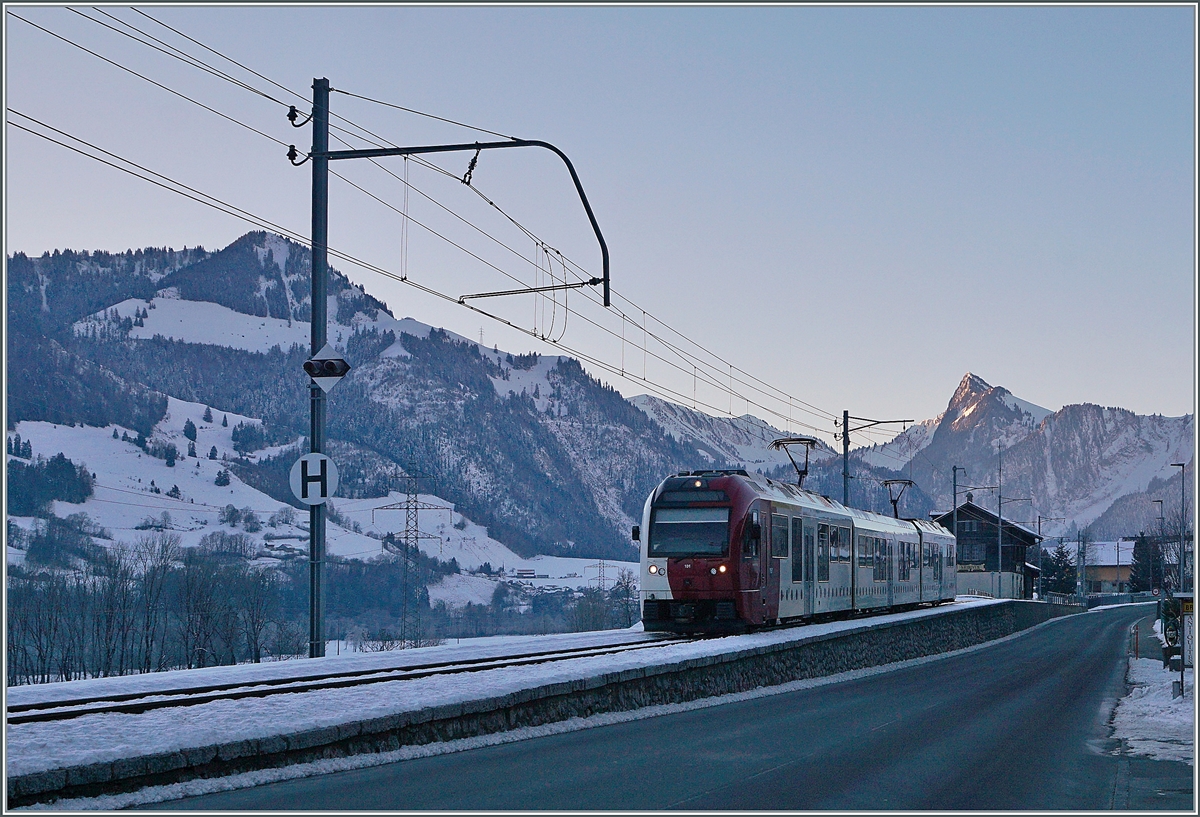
(601, 580)
(407, 548)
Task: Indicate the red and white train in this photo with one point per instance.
(726, 551)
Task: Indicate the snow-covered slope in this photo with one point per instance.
(131, 486)
(896, 452)
(743, 441)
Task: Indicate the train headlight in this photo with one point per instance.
(712, 570)
(721, 568)
(653, 568)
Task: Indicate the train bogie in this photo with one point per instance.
(724, 551)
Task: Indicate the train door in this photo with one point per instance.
(777, 554)
(753, 576)
(890, 550)
(810, 560)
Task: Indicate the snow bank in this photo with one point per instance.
(1149, 720)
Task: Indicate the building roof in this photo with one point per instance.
(977, 512)
(1106, 554)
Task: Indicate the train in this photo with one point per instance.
(728, 552)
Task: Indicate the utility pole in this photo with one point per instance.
(845, 437)
(1042, 549)
(320, 245)
(1000, 519)
(1081, 561)
(320, 156)
(955, 471)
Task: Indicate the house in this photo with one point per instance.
(1106, 566)
(978, 571)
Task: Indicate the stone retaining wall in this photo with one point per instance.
(815, 656)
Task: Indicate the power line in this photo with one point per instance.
(152, 82)
(421, 113)
(695, 363)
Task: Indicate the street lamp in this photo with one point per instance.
(1182, 466)
(1162, 540)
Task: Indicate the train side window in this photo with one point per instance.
(844, 541)
(880, 574)
(823, 553)
(904, 564)
(779, 535)
(866, 551)
(797, 551)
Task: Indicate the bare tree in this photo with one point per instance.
(625, 595)
(258, 604)
(113, 611)
(195, 607)
(153, 557)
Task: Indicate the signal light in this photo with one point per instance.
(325, 369)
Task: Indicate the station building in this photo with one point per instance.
(978, 571)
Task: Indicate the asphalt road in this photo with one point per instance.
(1014, 726)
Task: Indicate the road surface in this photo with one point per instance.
(1015, 725)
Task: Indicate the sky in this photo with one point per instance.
(850, 208)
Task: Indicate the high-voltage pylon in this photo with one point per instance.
(407, 548)
(601, 580)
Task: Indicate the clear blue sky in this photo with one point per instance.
(856, 205)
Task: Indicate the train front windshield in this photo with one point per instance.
(689, 532)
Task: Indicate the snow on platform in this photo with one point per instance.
(33, 747)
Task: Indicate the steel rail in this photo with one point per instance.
(136, 703)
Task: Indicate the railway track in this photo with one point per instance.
(137, 702)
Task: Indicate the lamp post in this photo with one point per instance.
(1182, 466)
(1162, 539)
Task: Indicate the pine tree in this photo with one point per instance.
(116, 436)
(225, 421)
(191, 449)
(212, 453)
(1144, 573)
(1060, 572)
(207, 414)
(172, 452)
(189, 429)
(27, 450)
(222, 478)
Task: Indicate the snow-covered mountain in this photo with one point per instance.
(549, 460)
(1073, 463)
(536, 452)
(739, 441)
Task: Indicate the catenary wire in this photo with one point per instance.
(662, 341)
(679, 352)
(258, 221)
